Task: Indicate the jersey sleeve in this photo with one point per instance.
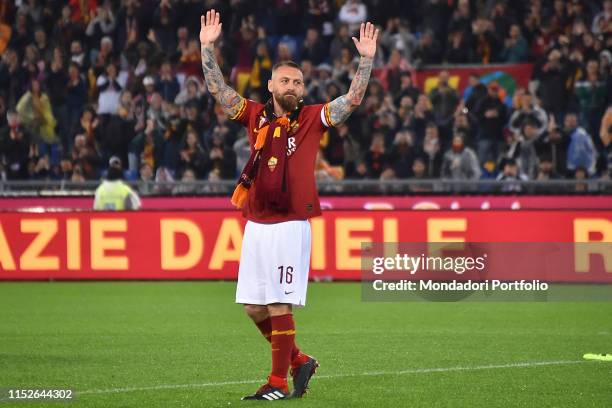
(247, 110)
(325, 116)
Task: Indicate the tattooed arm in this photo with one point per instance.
(342, 107)
(227, 97)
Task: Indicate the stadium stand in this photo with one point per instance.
(81, 81)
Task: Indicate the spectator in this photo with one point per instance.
(602, 21)
(491, 114)
(341, 40)
(164, 22)
(262, 70)
(14, 148)
(109, 91)
(12, 77)
(43, 48)
(462, 123)
(546, 170)
(444, 99)
(102, 57)
(591, 94)
(485, 43)
(581, 151)
(554, 74)
(313, 48)
(57, 90)
(406, 88)
(500, 19)
(460, 162)
(402, 154)
(167, 85)
(432, 149)
(145, 173)
(528, 112)
(147, 147)
(458, 50)
(393, 71)
(193, 91)
(554, 144)
(511, 176)
(581, 174)
(421, 116)
(86, 158)
(461, 18)
(77, 55)
(521, 148)
(119, 129)
(353, 13)
(376, 159)
(397, 36)
(187, 186)
(221, 158)
(427, 50)
(76, 95)
(515, 46)
(34, 109)
(102, 24)
(193, 156)
(130, 24)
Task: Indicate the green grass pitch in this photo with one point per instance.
(186, 344)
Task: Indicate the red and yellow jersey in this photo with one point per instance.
(302, 148)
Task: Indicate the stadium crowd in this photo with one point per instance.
(84, 80)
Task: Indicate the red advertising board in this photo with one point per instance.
(206, 244)
(411, 202)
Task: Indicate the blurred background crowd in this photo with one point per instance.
(84, 80)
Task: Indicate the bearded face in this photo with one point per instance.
(288, 101)
(287, 87)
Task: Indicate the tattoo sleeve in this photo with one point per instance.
(227, 97)
(342, 107)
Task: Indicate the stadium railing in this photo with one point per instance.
(37, 188)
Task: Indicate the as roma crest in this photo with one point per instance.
(272, 163)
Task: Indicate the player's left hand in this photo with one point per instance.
(366, 45)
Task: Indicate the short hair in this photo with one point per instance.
(286, 64)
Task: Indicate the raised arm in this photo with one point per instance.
(228, 98)
(342, 107)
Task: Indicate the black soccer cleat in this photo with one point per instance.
(267, 393)
(301, 377)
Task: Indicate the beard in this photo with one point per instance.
(288, 102)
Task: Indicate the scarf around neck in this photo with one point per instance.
(267, 164)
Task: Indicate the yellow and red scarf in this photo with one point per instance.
(267, 164)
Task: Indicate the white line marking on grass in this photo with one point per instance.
(526, 364)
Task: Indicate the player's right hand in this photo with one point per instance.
(210, 27)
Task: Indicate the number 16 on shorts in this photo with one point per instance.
(285, 274)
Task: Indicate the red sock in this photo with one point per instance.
(265, 327)
(283, 334)
(297, 357)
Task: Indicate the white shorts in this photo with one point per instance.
(274, 263)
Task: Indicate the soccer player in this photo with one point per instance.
(277, 194)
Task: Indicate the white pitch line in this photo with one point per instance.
(320, 377)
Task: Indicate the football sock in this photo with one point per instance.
(282, 337)
(297, 357)
(265, 327)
